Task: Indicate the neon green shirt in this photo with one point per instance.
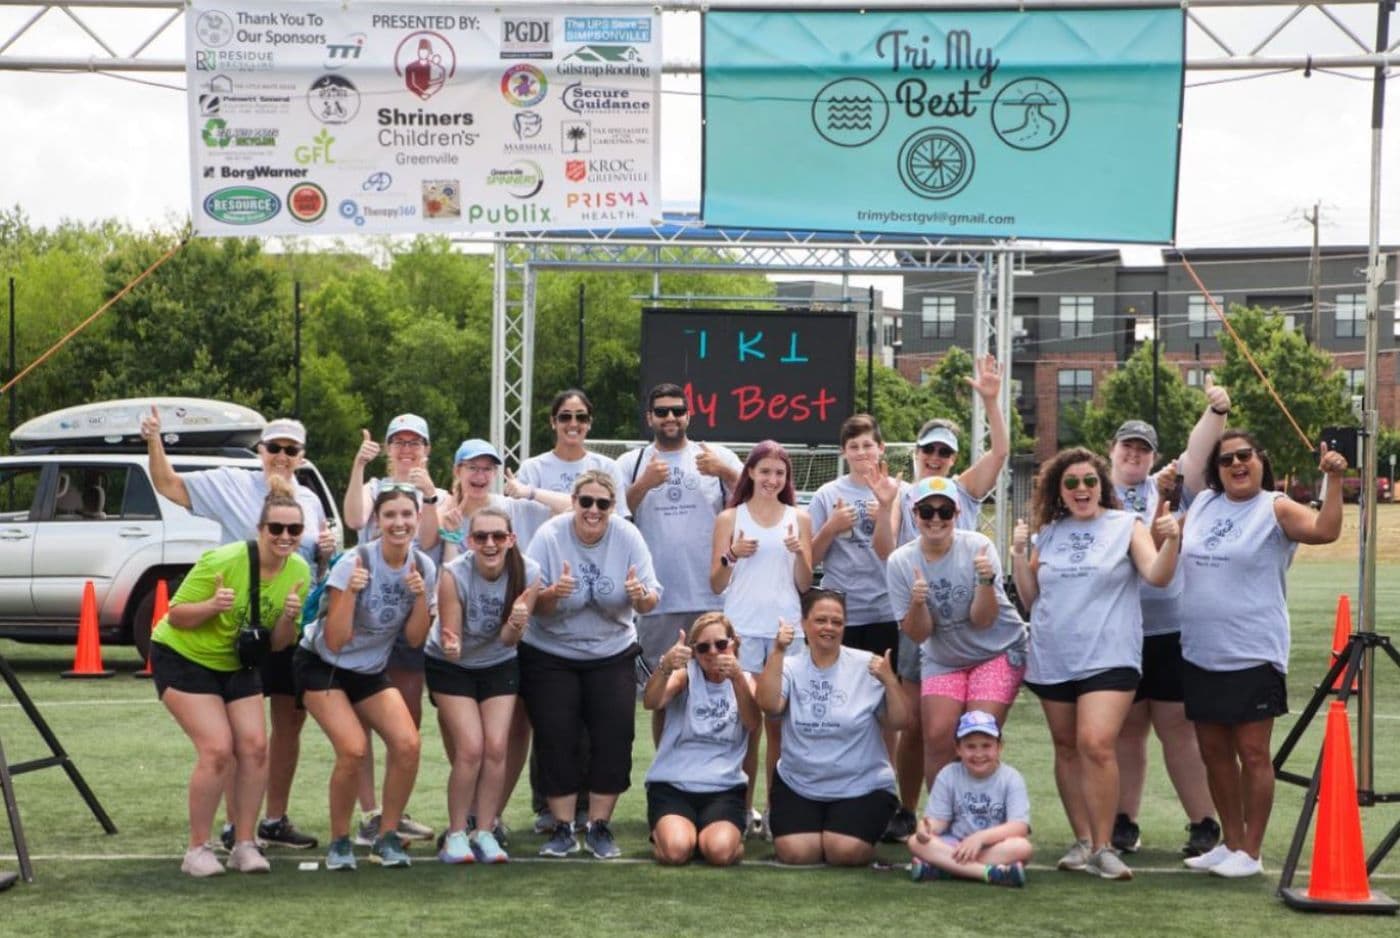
(213, 643)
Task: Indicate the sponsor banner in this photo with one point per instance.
(1037, 124)
(316, 118)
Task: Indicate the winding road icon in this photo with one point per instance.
(1030, 113)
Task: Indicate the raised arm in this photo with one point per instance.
(356, 504)
(1305, 526)
(769, 689)
(163, 475)
(1204, 435)
(980, 478)
(1153, 565)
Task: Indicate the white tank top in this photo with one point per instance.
(761, 588)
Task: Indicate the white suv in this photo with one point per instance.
(77, 506)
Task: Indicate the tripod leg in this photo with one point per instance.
(1382, 849)
(7, 785)
(1300, 833)
(55, 747)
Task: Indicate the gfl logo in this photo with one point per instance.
(318, 151)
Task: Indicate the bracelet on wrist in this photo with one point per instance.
(1216, 410)
(986, 580)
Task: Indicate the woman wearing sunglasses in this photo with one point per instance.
(1241, 533)
(696, 785)
(234, 497)
(947, 589)
(374, 593)
(570, 416)
(935, 455)
(577, 664)
(1081, 582)
(762, 563)
(485, 597)
(833, 789)
(216, 700)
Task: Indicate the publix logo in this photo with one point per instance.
(242, 205)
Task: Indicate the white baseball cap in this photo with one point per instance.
(408, 423)
(284, 428)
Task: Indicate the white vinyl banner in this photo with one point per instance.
(374, 118)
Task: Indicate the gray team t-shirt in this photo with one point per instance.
(677, 520)
(851, 564)
(952, 580)
(1160, 612)
(702, 741)
(547, 471)
(972, 804)
(1088, 616)
(525, 515)
(483, 603)
(234, 498)
(596, 621)
(381, 609)
(832, 746)
(1234, 610)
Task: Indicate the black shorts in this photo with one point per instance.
(479, 684)
(1071, 691)
(172, 670)
(1230, 697)
(313, 674)
(1161, 669)
(404, 657)
(699, 808)
(876, 638)
(277, 677)
(864, 817)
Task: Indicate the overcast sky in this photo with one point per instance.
(1255, 153)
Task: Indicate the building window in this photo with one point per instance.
(939, 317)
(1350, 315)
(1356, 380)
(1195, 377)
(1076, 317)
(1201, 318)
(1076, 385)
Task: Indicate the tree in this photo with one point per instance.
(947, 383)
(1305, 377)
(1126, 394)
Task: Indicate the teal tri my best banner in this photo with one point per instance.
(1058, 124)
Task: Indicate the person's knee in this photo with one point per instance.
(1018, 848)
(493, 751)
(1098, 749)
(218, 756)
(798, 850)
(721, 845)
(405, 747)
(251, 751)
(847, 851)
(673, 847)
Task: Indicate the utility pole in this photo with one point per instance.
(1315, 322)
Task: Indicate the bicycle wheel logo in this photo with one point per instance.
(936, 163)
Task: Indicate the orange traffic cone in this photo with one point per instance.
(87, 661)
(158, 611)
(1338, 882)
(1341, 631)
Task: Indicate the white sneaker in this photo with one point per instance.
(1211, 858)
(1076, 857)
(1238, 866)
(246, 858)
(200, 862)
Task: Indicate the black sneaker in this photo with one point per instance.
(1201, 838)
(283, 833)
(901, 827)
(1127, 836)
(226, 836)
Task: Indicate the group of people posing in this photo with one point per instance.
(532, 610)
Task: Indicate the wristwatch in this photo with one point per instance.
(986, 580)
(430, 499)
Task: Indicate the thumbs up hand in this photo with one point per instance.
(1332, 462)
(1164, 525)
(1167, 479)
(786, 635)
(744, 546)
(291, 606)
(918, 593)
(1020, 537)
(982, 563)
(678, 654)
(636, 590)
(880, 668)
(566, 584)
(359, 576)
(420, 479)
(325, 541)
(707, 463)
(150, 424)
(369, 450)
(657, 472)
(414, 580)
(792, 542)
(1217, 397)
(224, 596)
(843, 517)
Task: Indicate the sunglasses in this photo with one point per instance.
(291, 449)
(937, 449)
(494, 537)
(826, 591)
(1243, 455)
(719, 644)
(569, 416)
(277, 528)
(929, 512)
(588, 501)
(662, 412)
(413, 443)
(1073, 482)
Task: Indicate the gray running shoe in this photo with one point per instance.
(367, 831)
(341, 855)
(410, 830)
(1108, 865)
(601, 842)
(388, 852)
(1076, 857)
(561, 843)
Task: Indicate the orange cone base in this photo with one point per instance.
(146, 672)
(1378, 904)
(83, 674)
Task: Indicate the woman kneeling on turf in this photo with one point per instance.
(833, 789)
(978, 815)
(374, 593)
(696, 785)
(215, 699)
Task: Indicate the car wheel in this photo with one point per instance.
(141, 618)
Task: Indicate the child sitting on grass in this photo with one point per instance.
(978, 816)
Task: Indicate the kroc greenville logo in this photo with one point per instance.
(242, 205)
(426, 60)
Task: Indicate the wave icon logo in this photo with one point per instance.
(850, 112)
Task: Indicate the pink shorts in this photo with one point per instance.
(996, 680)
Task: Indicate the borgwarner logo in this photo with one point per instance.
(522, 179)
(242, 205)
(591, 99)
